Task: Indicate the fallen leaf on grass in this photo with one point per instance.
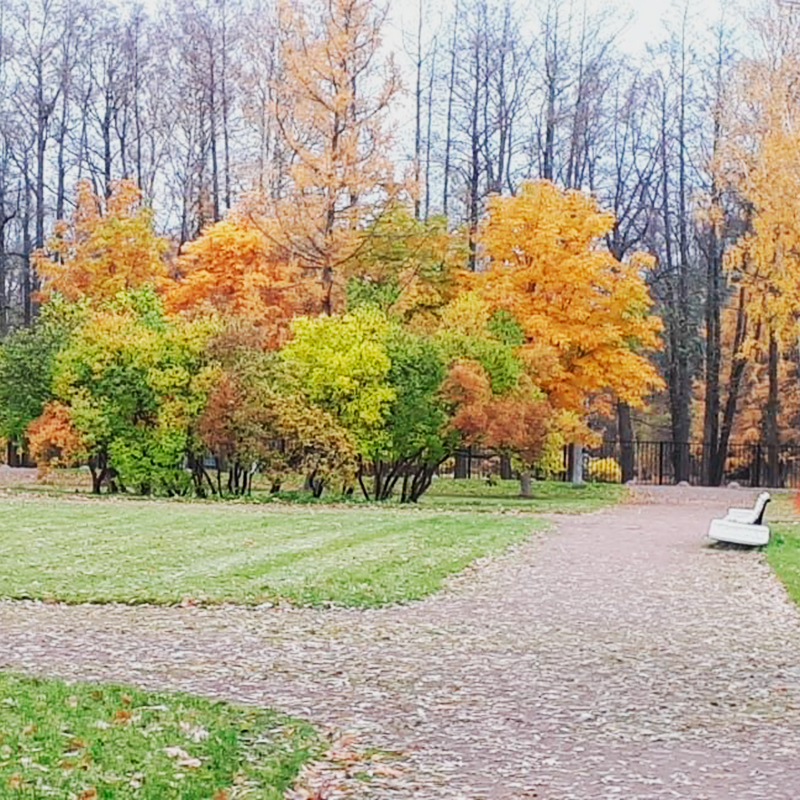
(88, 794)
(184, 759)
(74, 745)
(194, 732)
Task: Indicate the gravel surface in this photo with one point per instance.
(616, 656)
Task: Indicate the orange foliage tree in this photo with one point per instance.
(332, 94)
(107, 246)
(585, 316)
(515, 424)
(53, 440)
(235, 269)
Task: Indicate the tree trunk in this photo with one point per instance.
(734, 385)
(475, 159)
(771, 415)
(448, 142)
(712, 362)
(418, 118)
(428, 136)
(627, 444)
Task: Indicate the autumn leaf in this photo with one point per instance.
(183, 759)
(195, 732)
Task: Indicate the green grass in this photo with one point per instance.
(783, 551)
(163, 552)
(62, 740)
(548, 496)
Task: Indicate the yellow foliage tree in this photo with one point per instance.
(761, 164)
(107, 246)
(585, 315)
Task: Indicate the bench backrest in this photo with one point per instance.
(760, 508)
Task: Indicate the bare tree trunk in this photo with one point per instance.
(771, 412)
(27, 249)
(713, 358)
(475, 155)
(428, 136)
(418, 119)
(43, 116)
(212, 109)
(684, 371)
(449, 126)
(5, 218)
(225, 89)
(738, 366)
(61, 166)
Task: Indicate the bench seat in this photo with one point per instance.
(743, 525)
(723, 530)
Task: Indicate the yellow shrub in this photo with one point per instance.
(605, 469)
(551, 461)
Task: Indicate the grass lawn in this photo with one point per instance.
(548, 496)
(783, 551)
(93, 742)
(160, 552)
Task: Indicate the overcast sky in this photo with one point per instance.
(648, 19)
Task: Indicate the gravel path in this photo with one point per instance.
(613, 657)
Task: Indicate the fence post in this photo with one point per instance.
(661, 463)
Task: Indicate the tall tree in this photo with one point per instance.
(765, 170)
(332, 96)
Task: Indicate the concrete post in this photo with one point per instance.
(576, 459)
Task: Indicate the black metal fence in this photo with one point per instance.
(658, 463)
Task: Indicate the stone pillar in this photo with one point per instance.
(576, 464)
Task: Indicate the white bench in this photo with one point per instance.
(742, 525)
